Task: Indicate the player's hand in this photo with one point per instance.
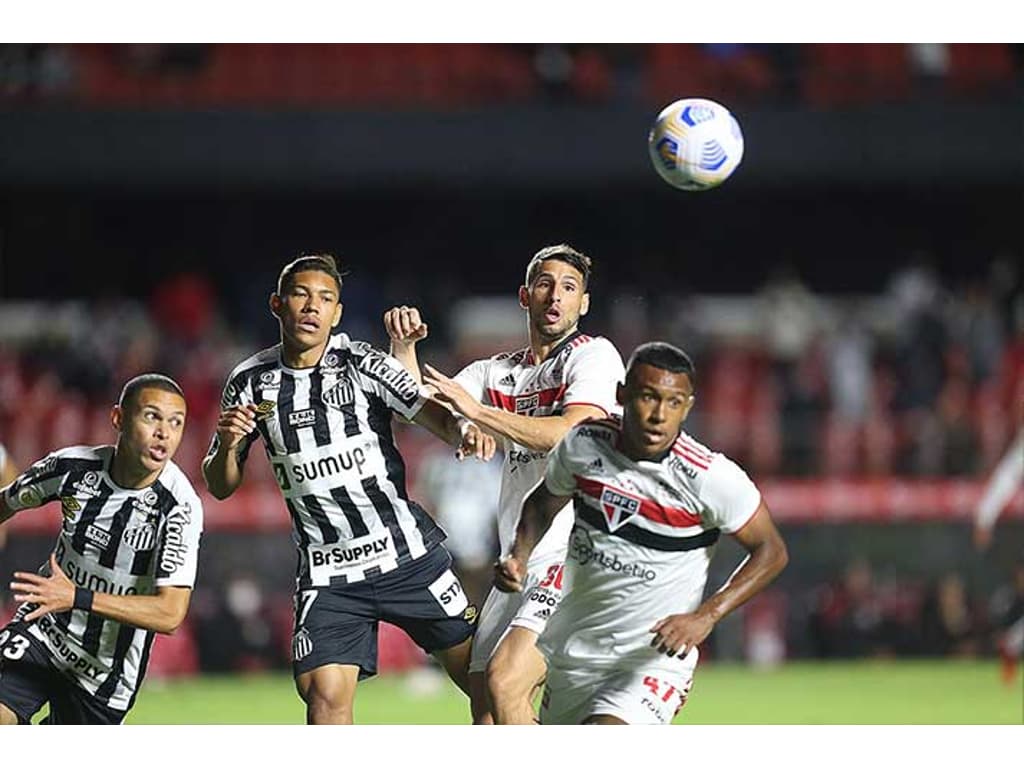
(475, 443)
(235, 423)
(510, 574)
(53, 594)
(678, 633)
(404, 325)
(450, 392)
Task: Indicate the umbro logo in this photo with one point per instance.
(507, 381)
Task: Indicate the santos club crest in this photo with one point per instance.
(618, 507)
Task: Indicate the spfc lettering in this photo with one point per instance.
(618, 507)
(527, 403)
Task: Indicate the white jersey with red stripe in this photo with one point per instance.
(581, 370)
(643, 537)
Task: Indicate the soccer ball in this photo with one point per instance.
(695, 144)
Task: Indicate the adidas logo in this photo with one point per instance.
(507, 380)
(596, 464)
(545, 614)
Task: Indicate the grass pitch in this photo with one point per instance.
(935, 692)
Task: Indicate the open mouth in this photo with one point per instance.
(653, 437)
(158, 453)
(309, 326)
(552, 316)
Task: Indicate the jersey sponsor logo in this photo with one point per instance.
(71, 658)
(147, 504)
(377, 366)
(339, 395)
(175, 551)
(328, 560)
(87, 485)
(470, 614)
(302, 645)
(309, 471)
(517, 458)
(679, 465)
(140, 537)
(270, 380)
(30, 496)
(230, 396)
(596, 464)
(97, 536)
(449, 594)
(600, 434)
(618, 507)
(331, 363)
(81, 576)
(303, 418)
(583, 551)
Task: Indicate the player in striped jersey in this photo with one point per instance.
(323, 406)
(650, 503)
(123, 567)
(530, 398)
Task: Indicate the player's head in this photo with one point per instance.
(555, 294)
(656, 397)
(308, 300)
(150, 420)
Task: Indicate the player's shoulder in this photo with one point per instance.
(605, 430)
(355, 348)
(585, 347)
(84, 452)
(178, 484)
(268, 356)
(510, 358)
(713, 469)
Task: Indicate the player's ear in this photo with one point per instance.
(117, 418)
(337, 314)
(275, 305)
(585, 304)
(620, 394)
(524, 297)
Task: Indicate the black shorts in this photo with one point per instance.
(28, 680)
(338, 624)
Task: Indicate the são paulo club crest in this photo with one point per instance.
(618, 507)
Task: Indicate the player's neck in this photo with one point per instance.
(128, 474)
(294, 357)
(541, 347)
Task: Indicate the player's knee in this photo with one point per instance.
(506, 681)
(323, 709)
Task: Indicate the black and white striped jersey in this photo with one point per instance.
(327, 433)
(116, 540)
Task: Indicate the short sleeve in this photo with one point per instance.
(558, 476)
(382, 375)
(592, 373)
(730, 495)
(179, 545)
(473, 379)
(37, 485)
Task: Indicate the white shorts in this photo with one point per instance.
(639, 697)
(530, 608)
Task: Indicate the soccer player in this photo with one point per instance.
(7, 474)
(323, 405)
(123, 568)
(530, 398)
(650, 503)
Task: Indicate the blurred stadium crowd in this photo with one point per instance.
(432, 75)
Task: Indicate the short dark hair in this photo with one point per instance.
(130, 391)
(561, 252)
(659, 354)
(308, 262)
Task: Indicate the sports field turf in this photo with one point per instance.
(871, 692)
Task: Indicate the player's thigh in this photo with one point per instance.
(70, 705)
(335, 626)
(334, 684)
(26, 678)
(643, 697)
(495, 619)
(425, 598)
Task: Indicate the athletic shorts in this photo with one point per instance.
(28, 681)
(530, 608)
(338, 624)
(639, 697)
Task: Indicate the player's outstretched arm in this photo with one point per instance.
(405, 327)
(539, 510)
(56, 593)
(222, 471)
(465, 436)
(539, 433)
(678, 633)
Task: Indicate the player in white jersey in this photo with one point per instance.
(323, 403)
(123, 567)
(8, 471)
(530, 398)
(650, 503)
